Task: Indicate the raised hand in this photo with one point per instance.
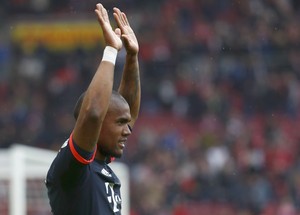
(111, 37)
(129, 39)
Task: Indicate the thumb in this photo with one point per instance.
(118, 32)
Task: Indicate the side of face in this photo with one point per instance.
(115, 130)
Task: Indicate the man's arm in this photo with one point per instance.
(97, 96)
(130, 87)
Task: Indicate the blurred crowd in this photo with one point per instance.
(218, 130)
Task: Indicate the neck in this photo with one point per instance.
(100, 156)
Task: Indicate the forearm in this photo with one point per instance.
(130, 87)
(94, 107)
(100, 88)
(99, 91)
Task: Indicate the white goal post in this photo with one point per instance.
(22, 174)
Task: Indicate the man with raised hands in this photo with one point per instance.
(79, 181)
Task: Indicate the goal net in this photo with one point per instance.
(22, 181)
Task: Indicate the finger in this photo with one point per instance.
(99, 16)
(100, 9)
(117, 11)
(99, 6)
(101, 12)
(124, 18)
(119, 17)
(119, 23)
(121, 14)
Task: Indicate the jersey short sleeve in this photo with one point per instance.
(70, 166)
(79, 154)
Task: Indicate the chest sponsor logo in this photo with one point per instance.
(113, 198)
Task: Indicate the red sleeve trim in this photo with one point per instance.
(77, 155)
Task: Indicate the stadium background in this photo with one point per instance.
(218, 131)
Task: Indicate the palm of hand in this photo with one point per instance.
(130, 42)
(112, 38)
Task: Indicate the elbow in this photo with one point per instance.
(93, 109)
(134, 118)
(94, 113)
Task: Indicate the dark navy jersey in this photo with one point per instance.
(79, 185)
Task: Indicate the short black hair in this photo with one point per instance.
(78, 104)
